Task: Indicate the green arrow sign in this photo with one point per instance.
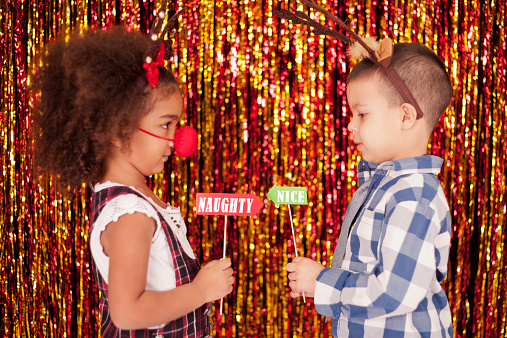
(288, 195)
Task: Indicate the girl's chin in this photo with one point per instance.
(156, 171)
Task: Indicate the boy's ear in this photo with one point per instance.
(408, 116)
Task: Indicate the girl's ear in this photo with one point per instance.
(116, 141)
(408, 116)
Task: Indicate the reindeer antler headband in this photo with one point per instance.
(381, 56)
(157, 53)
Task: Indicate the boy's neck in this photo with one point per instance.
(415, 152)
(415, 143)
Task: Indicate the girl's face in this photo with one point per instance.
(148, 153)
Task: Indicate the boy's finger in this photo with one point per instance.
(291, 267)
(293, 287)
(297, 259)
(295, 294)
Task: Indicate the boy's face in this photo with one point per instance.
(376, 127)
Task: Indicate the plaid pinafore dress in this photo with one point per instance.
(193, 324)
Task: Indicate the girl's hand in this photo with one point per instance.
(303, 273)
(215, 280)
(127, 242)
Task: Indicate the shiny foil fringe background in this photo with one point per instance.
(267, 100)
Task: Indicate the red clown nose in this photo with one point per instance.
(185, 141)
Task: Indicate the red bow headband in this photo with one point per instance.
(162, 47)
(381, 56)
(186, 139)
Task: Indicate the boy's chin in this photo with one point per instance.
(370, 159)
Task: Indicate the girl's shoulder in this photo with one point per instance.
(126, 200)
(129, 197)
(114, 203)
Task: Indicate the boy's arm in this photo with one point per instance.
(412, 246)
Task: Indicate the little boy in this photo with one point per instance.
(385, 276)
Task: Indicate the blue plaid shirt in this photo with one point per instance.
(396, 257)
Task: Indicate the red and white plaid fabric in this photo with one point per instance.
(193, 324)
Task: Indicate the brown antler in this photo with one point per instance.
(381, 58)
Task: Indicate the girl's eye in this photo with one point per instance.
(166, 126)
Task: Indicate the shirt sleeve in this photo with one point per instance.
(117, 207)
(401, 279)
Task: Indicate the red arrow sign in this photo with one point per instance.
(228, 204)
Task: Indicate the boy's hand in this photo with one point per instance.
(303, 273)
(215, 280)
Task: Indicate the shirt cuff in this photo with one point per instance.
(328, 290)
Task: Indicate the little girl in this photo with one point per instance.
(101, 119)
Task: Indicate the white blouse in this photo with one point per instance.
(161, 274)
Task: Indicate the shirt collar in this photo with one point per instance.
(427, 164)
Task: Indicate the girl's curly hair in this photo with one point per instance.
(91, 87)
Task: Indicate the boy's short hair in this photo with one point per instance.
(422, 71)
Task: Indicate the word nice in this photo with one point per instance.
(288, 195)
(228, 204)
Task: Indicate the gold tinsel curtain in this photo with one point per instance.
(267, 99)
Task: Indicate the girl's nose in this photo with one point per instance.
(172, 136)
(171, 143)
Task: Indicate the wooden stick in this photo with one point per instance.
(225, 243)
(294, 239)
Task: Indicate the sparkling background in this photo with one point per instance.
(267, 99)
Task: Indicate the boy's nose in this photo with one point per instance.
(352, 126)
